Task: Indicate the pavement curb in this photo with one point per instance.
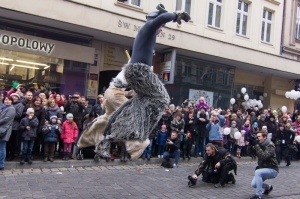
(39, 164)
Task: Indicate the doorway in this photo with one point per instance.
(105, 78)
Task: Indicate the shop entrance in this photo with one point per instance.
(42, 74)
(105, 79)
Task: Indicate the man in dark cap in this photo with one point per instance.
(135, 119)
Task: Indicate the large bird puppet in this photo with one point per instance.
(132, 122)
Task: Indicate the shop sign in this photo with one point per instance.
(136, 28)
(45, 47)
(28, 44)
(114, 57)
(166, 68)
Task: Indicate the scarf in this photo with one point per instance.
(265, 143)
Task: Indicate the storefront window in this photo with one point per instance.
(42, 74)
(194, 78)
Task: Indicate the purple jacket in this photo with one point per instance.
(248, 131)
(200, 105)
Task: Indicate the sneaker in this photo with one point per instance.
(158, 156)
(255, 197)
(175, 165)
(268, 191)
(29, 161)
(22, 162)
(45, 159)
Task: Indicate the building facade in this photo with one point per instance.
(228, 44)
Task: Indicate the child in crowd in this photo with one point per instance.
(187, 144)
(231, 138)
(51, 132)
(247, 128)
(28, 129)
(68, 135)
(162, 136)
(240, 144)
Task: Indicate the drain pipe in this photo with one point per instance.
(282, 28)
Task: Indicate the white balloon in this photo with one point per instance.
(255, 108)
(251, 102)
(226, 131)
(265, 94)
(293, 94)
(243, 103)
(238, 95)
(297, 138)
(246, 97)
(237, 135)
(297, 94)
(260, 106)
(284, 109)
(243, 90)
(232, 101)
(261, 97)
(287, 94)
(247, 104)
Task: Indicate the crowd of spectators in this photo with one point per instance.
(42, 124)
(47, 123)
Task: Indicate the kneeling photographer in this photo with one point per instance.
(267, 164)
(215, 167)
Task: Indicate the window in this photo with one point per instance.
(214, 14)
(241, 19)
(266, 26)
(184, 5)
(132, 2)
(298, 23)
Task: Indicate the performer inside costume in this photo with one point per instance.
(136, 118)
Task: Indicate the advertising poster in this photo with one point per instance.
(196, 94)
(92, 90)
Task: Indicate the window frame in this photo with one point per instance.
(183, 6)
(214, 13)
(129, 2)
(298, 23)
(242, 14)
(266, 21)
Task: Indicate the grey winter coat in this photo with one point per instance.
(19, 111)
(32, 132)
(53, 111)
(6, 119)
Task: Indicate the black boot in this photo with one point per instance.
(123, 153)
(231, 178)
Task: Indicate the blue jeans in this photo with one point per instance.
(200, 143)
(260, 176)
(27, 149)
(2, 153)
(175, 154)
(147, 151)
(161, 149)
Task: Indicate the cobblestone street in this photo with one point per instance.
(132, 181)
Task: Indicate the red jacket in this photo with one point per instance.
(69, 134)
